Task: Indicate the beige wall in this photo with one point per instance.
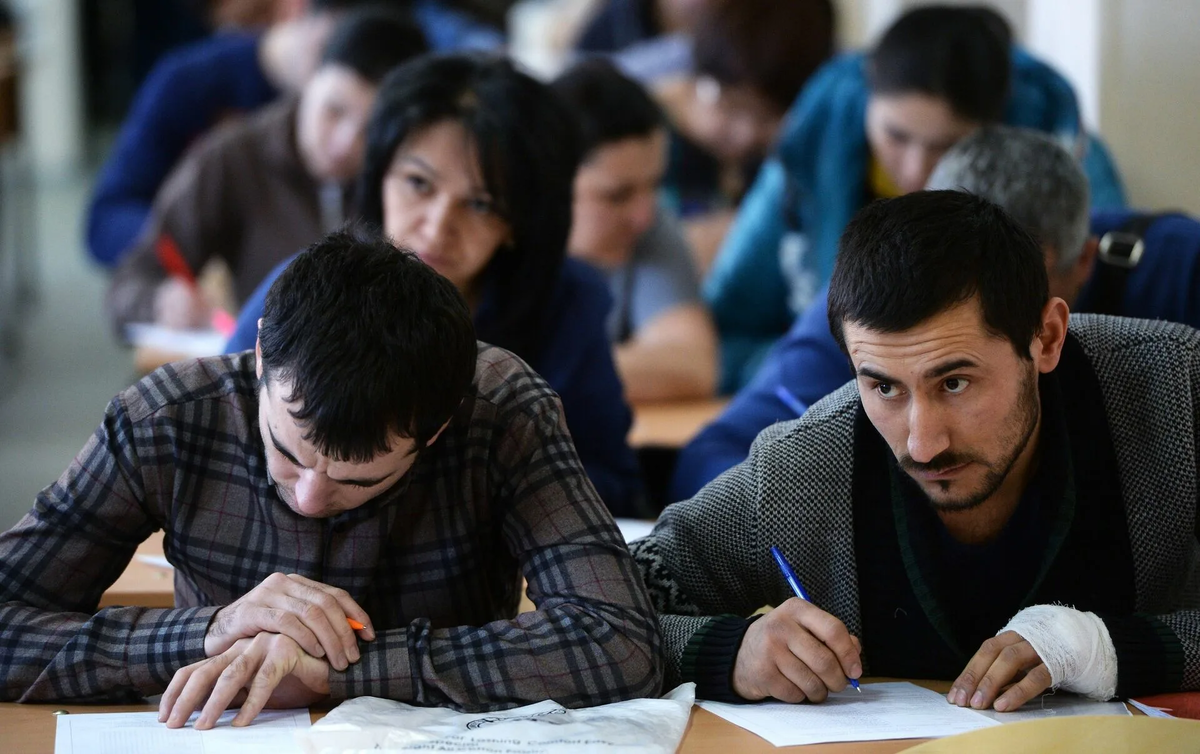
(1135, 65)
(1149, 98)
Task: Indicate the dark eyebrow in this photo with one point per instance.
(950, 366)
(361, 482)
(404, 157)
(354, 482)
(284, 451)
(939, 371)
(877, 376)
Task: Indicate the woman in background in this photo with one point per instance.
(870, 126)
(470, 164)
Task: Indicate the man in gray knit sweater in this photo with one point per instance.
(1005, 496)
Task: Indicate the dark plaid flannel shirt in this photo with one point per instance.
(436, 561)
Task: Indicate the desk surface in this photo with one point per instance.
(29, 728)
(141, 583)
(672, 424)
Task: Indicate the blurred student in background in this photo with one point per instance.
(750, 59)
(470, 164)
(871, 126)
(665, 344)
(1129, 264)
(257, 190)
(193, 89)
(650, 38)
(189, 92)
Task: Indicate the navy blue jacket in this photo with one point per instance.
(184, 96)
(808, 365)
(576, 360)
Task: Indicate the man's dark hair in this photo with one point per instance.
(772, 46)
(609, 105)
(373, 40)
(959, 54)
(527, 145)
(372, 342)
(902, 261)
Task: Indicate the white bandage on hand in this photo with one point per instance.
(1074, 645)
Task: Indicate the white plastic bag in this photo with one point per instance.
(371, 724)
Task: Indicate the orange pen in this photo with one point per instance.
(355, 624)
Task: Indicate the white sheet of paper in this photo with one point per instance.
(634, 726)
(158, 561)
(882, 711)
(1060, 704)
(1150, 711)
(142, 733)
(634, 528)
(183, 342)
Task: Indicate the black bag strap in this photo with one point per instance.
(1120, 251)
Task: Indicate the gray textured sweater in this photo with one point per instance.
(707, 558)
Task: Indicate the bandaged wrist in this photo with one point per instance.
(1074, 645)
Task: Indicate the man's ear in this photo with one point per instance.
(1047, 345)
(442, 428)
(258, 370)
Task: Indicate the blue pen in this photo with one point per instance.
(789, 400)
(790, 575)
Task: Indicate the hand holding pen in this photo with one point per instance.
(797, 652)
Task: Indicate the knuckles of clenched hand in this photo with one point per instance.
(312, 614)
(270, 670)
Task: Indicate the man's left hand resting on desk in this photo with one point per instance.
(270, 670)
(1043, 646)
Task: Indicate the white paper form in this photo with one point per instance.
(1060, 704)
(142, 733)
(197, 343)
(882, 711)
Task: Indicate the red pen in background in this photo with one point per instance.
(176, 266)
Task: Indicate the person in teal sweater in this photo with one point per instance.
(873, 125)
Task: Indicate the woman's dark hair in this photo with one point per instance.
(373, 40)
(771, 46)
(610, 106)
(527, 142)
(959, 54)
(902, 261)
(371, 341)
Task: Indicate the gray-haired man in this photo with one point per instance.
(1098, 266)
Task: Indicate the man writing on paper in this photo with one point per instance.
(1003, 495)
(368, 461)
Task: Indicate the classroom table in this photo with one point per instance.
(29, 728)
(672, 424)
(143, 584)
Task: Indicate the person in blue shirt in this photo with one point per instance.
(664, 343)
(872, 126)
(469, 163)
(191, 90)
(1044, 187)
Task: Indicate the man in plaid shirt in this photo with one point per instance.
(369, 461)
